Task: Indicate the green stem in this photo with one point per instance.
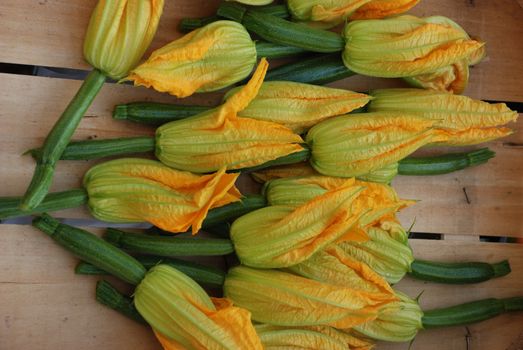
(96, 149)
(458, 273)
(168, 246)
(281, 31)
(154, 113)
(318, 70)
(109, 296)
(92, 249)
(10, 206)
(444, 164)
(234, 210)
(271, 50)
(472, 312)
(206, 275)
(59, 137)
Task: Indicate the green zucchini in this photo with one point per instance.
(472, 312)
(234, 210)
(458, 273)
(189, 24)
(92, 249)
(154, 113)
(444, 164)
(317, 69)
(272, 50)
(292, 158)
(10, 206)
(109, 296)
(168, 246)
(206, 275)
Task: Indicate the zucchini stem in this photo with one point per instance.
(205, 275)
(472, 312)
(58, 138)
(10, 206)
(444, 164)
(168, 246)
(109, 296)
(92, 249)
(458, 273)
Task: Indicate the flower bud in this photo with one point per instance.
(404, 46)
(216, 138)
(277, 338)
(323, 13)
(398, 321)
(300, 106)
(138, 190)
(183, 316)
(357, 144)
(119, 33)
(463, 120)
(207, 59)
(284, 299)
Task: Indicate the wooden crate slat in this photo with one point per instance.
(41, 295)
(55, 37)
(495, 190)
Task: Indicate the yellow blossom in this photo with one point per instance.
(376, 9)
(207, 59)
(184, 317)
(119, 32)
(323, 13)
(138, 190)
(218, 137)
(404, 46)
(284, 299)
(463, 120)
(300, 106)
(277, 338)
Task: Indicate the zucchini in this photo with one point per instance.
(109, 296)
(472, 312)
(10, 206)
(154, 113)
(95, 149)
(206, 275)
(272, 50)
(317, 69)
(292, 158)
(458, 273)
(444, 164)
(92, 249)
(234, 210)
(168, 246)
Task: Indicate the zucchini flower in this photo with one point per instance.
(207, 59)
(138, 190)
(398, 321)
(463, 120)
(119, 33)
(280, 235)
(283, 299)
(453, 78)
(253, 2)
(405, 46)
(218, 137)
(183, 316)
(355, 145)
(300, 106)
(323, 13)
(375, 9)
(387, 252)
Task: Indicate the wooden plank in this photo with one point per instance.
(495, 190)
(41, 296)
(54, 37)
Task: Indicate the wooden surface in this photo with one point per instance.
(43, 305)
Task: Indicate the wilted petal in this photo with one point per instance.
(207, 59)
(138, 190)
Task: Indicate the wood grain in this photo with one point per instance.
(41, 296)
(55, 37)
